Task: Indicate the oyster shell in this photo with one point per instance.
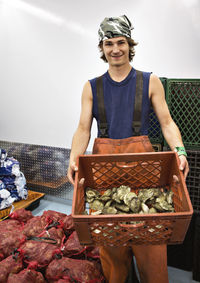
(108, 203)
(122, 191)
(97, 212)
(116, 198)
(107, 193)
(104, 198)
(89, 200)
(122, 201)
(97, 205)
(135, 205)
(145, 194)
(109, 210)
(91, 193)
(169, 197)
(144, 207)
(122, 207)
(152, 210)
(114, 190)
(128, 198)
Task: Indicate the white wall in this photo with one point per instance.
(48, 50)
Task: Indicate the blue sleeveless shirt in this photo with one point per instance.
(119, 104)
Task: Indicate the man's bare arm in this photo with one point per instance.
(82, 134)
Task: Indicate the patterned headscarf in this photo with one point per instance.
(114, 27)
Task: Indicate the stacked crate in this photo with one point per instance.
(155, 132)
(183, 99)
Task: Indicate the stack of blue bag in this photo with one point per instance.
(12, 181)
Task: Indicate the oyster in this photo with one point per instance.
(152, 210)
(122, 191)
(97, 205)
(116, 198)
(145, 194)
(106, 195)
(91, 193)
(128, 198)
(114, 190)
(97, 212)
(144, 207)
(122, 201)
(169, 197)
(89, 200)
(135, 205)
(104, 198)
(109, 210)
(156, 192)
(163, 206)
(108, 203)
(122, 207)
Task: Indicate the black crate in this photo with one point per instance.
(193, 178)
(181, 256)
(196, 254)
(157, 147)
(155, 132)
(183, 99)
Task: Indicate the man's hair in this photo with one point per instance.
(131, 44)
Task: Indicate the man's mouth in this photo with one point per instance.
(116, 57)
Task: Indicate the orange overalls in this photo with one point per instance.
(116, 261)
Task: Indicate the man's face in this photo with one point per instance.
(116, 51)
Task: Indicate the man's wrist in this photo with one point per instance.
(180, 150)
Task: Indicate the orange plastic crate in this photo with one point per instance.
(139, 171)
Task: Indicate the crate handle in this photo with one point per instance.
(176, 182)
(137, 225)
(126, 164)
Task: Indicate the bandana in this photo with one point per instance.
(114, 27)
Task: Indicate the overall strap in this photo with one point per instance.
(136, 125)
(101, 109)
(137, 114)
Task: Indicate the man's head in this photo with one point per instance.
(116, 27)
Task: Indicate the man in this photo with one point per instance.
(120, 101)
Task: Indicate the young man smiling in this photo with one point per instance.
(120, 101)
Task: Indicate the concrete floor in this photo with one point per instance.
(64, 206)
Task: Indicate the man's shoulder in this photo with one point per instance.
(94, 79)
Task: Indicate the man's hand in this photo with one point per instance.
(71, 172)
(184, 165)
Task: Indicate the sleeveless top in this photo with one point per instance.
(119, 101)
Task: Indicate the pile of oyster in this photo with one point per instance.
(122, 201)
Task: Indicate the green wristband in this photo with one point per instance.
(180, 150)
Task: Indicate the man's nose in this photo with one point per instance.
(115, 48)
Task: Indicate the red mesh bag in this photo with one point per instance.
(26, 276)
(9, 265)
(56, 234)
(10, 240)
(72, 246)
(21, 215)
(83, 271)
(54, 215)
(65, 220)
(64, 281)
(10, 224)
(68, 224)
(39, 254)
(35, 226)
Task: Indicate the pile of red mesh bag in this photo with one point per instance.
(38, 249)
